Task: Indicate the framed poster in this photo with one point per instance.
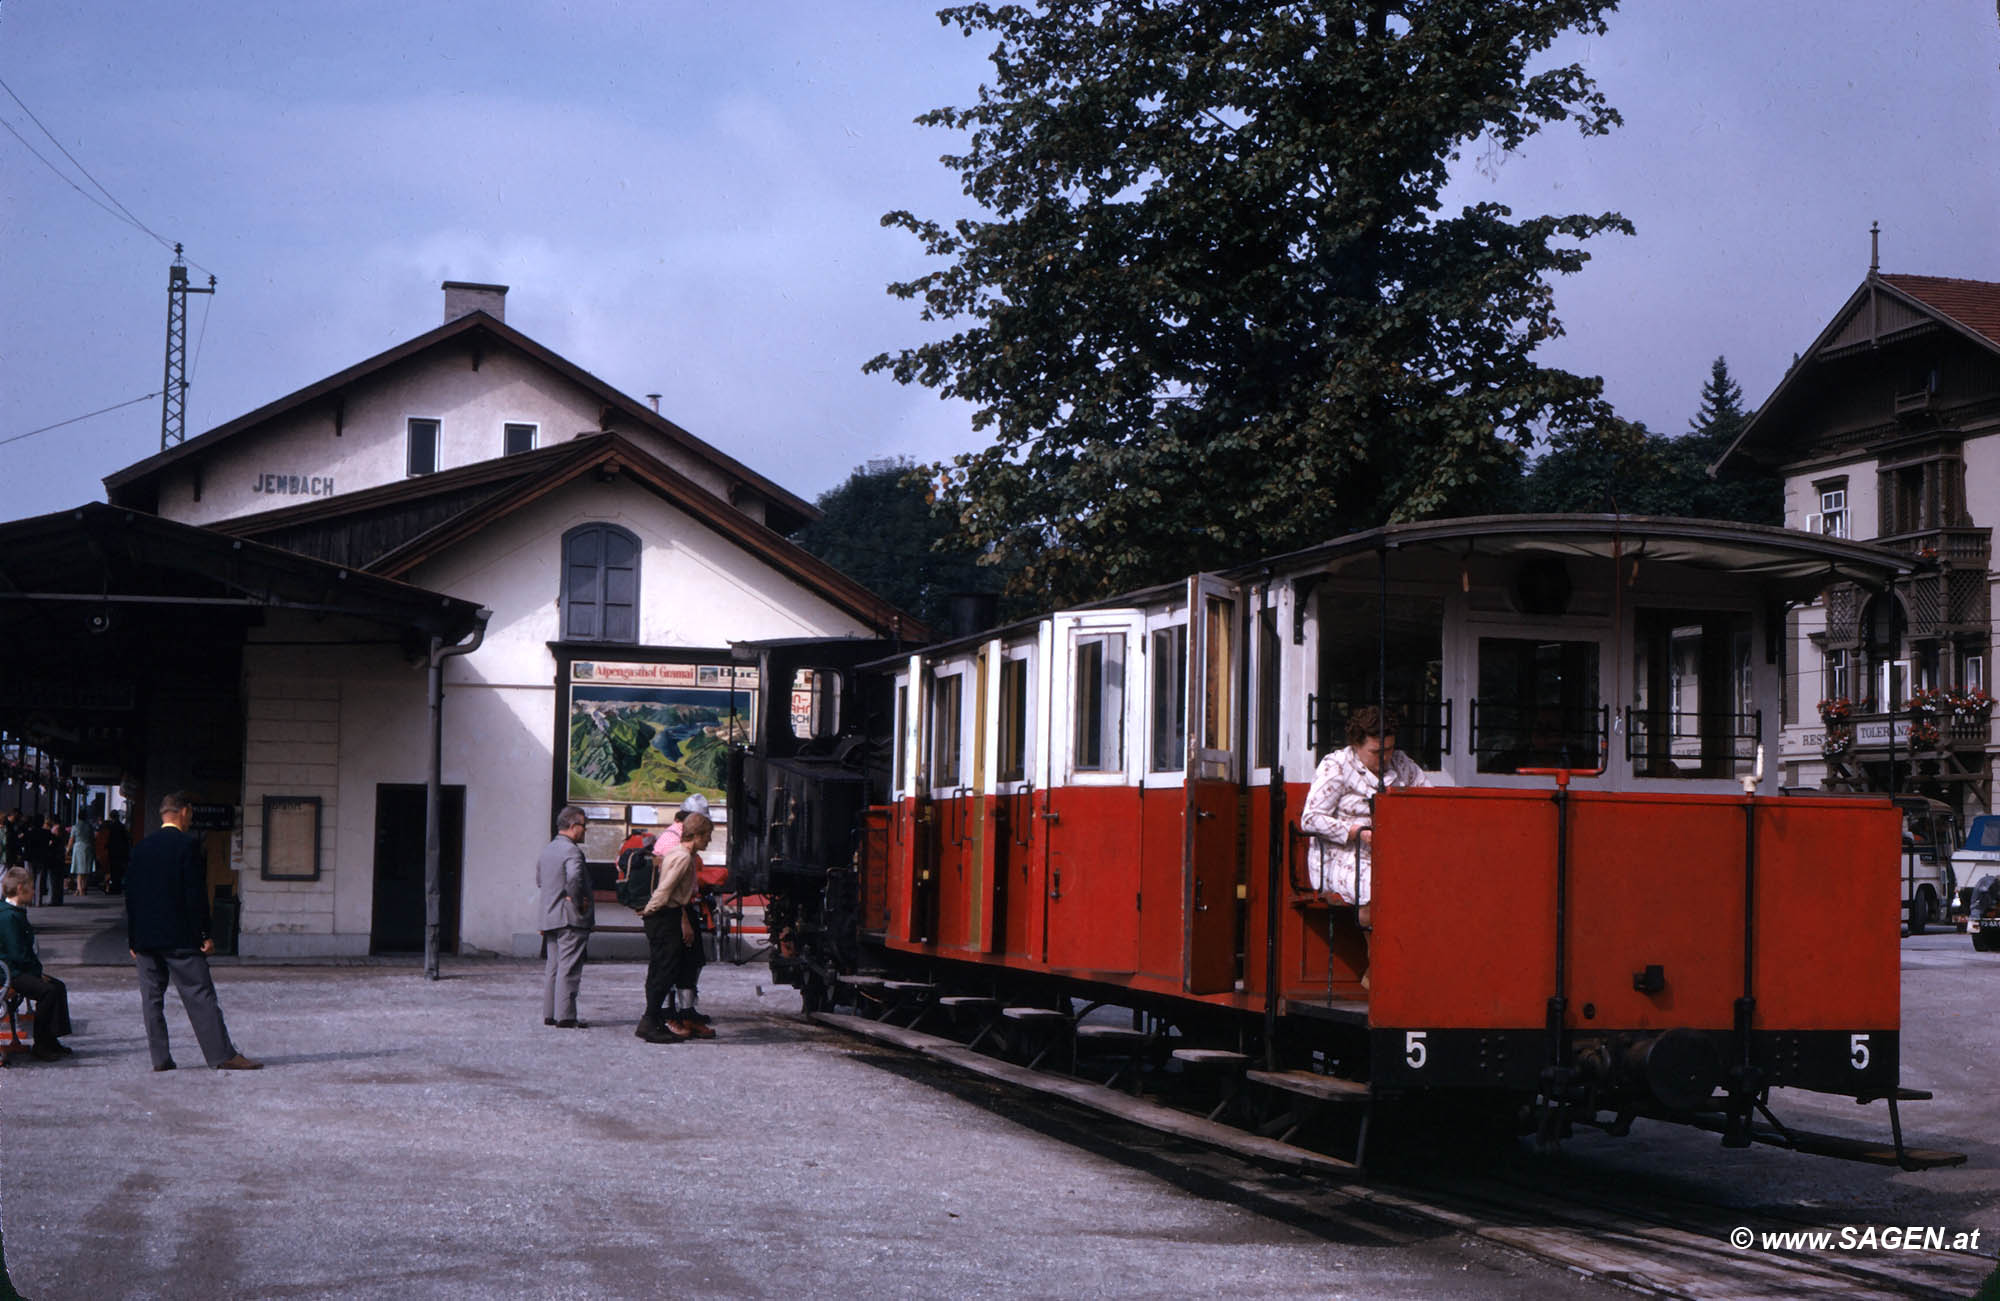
(291, 838)
(653, 734)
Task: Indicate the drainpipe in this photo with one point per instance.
(434, 787)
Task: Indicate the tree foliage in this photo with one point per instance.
(880, 529)
(1214, 311)
(1616, 465)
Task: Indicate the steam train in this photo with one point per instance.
(1601, 908)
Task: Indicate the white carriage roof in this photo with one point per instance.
(1785, 556)
(1797, 563)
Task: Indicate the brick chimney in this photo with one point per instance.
(462, 299)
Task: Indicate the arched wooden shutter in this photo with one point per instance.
(600, 584)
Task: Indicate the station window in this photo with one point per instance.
(1537, 705)
(516, 439)
(1833, 508)
(1013, 719)
(1170, 666)
(1835, 680)
(947, 738)
(600, 596)
(1972, 673)
(1098, 702)
(423, 453)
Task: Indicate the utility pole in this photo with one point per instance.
(173, 394)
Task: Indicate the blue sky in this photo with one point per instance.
(685, 200)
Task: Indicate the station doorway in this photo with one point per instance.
(399, 867)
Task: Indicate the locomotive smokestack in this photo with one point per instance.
(973, 612)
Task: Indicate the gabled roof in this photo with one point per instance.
(134, 484)
(1884, 308)
(390, 530)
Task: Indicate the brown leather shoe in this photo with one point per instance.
(239, 1063)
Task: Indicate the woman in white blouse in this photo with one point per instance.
(1339, 809)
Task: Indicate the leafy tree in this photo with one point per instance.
(1614, 465)
(1214, 311)
(880, 529)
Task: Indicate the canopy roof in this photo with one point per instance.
(1801, 562)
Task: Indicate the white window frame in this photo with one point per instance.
(1068, 628)
(1027, 654)
(961, 782)
(1158, 621)
(1833, 516)
(534, 429)
(410, 424)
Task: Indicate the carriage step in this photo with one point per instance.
(1210, 1059)
(1113, 1037)
(1042, 1015)
(969, 1002)
(1900, 1094)
(1326, 1088)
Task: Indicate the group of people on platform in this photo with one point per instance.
(64, 858)
(660, 877)
(167, 931)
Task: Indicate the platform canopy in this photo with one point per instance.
(103, 607)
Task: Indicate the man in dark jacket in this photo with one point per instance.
(166, 928)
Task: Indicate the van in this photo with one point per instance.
(1930, 834)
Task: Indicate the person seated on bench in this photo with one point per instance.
(1339, 811)
(24, 965)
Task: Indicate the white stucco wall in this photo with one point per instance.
(339, 720)
(1802, 495)
(298, 457)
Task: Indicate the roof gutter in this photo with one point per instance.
(434, 787)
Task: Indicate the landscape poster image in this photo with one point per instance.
(659, 742)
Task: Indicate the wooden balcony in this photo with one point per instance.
(1958, 547)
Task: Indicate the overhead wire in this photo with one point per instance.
(121, 212)
(85, 416)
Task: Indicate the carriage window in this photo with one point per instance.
(1218, 725)
(1692, 713)
(946, 742)
(1170, 698)
(1268, 653)
(1013, 720)
(1355, 644)
(1537, 705)
(1099, 702)
(902, 736)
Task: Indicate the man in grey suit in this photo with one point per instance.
(568, 909)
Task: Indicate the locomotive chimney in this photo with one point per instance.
(973, 612)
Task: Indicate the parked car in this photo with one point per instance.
(1982, 913)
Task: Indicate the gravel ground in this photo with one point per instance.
(411, 1138)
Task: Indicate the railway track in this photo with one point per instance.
(1651, 1243)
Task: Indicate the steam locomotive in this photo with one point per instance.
(1600, 908)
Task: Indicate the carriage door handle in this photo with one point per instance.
(1055, 889)
(1199, 906)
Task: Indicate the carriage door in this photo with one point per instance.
(1212, 862)
(917, 818)
(1090, 808)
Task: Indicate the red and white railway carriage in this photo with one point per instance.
(1102, 803)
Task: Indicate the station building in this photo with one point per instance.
(571, 567)
(1887, 429)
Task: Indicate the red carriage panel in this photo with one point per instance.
(1093, 867)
